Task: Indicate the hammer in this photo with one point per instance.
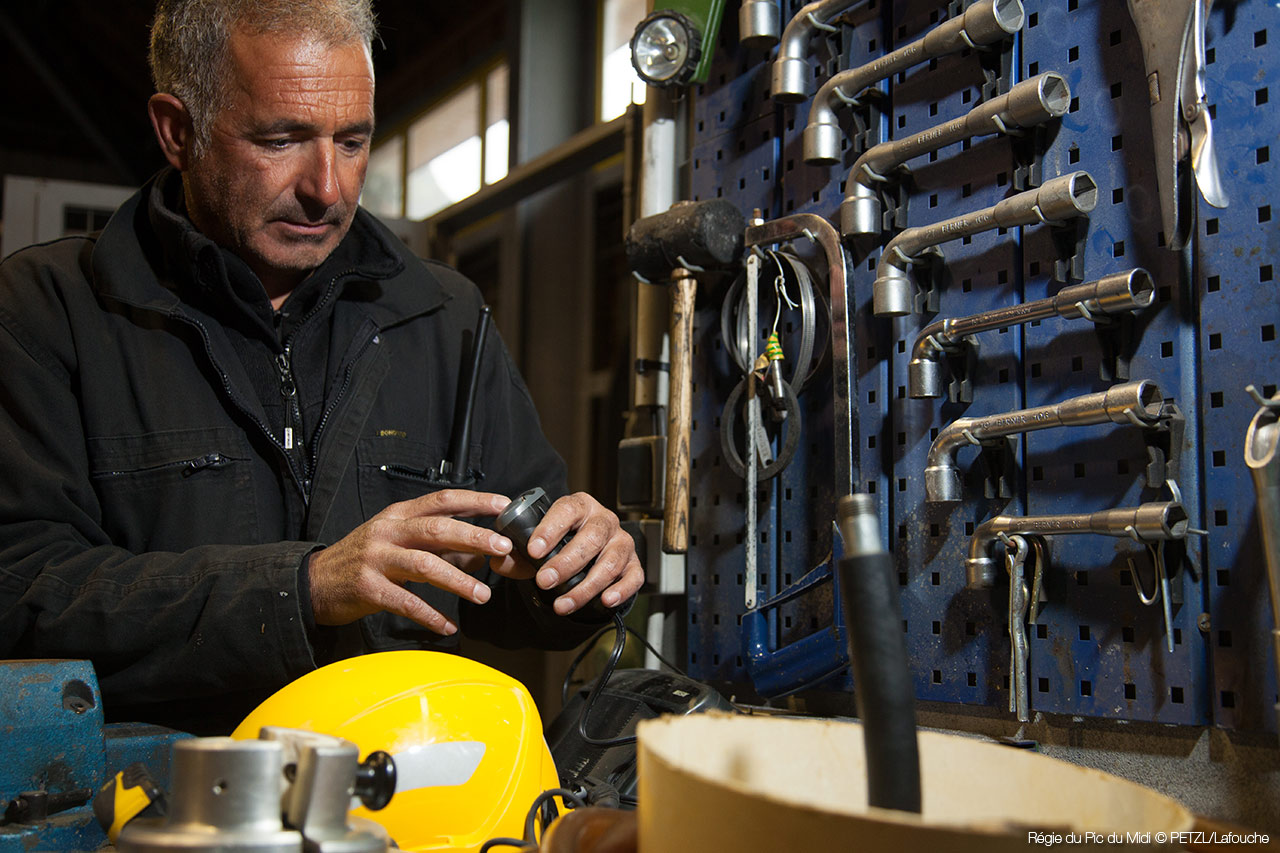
(672, 246)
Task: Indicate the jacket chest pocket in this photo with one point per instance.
(395, 468)
(174, 490)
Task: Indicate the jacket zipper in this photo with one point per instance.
(189, 466)
(231, 395)
(293, 438)
(309, 459)
(304, 481)
(406, 473)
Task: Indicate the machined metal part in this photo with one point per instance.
(820, 231)
(291, 790)
(1057, 200)
(1262, 455)
(1031, 102)
(859, 524)
(1148, 522)
(759, 23)
(225, 797)
(985, 22)
(1104, 297)
(791, 73)
(317, 801)
(1139, 403)
(1172, 33)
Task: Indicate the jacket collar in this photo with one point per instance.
(151, 256)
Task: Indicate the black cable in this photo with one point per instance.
(587, 647)
(619, 642)
(590, 645)
(564, 793)
(668, 664)
(506, 842)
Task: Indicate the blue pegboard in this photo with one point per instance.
(1236, 259)
(1212, 329)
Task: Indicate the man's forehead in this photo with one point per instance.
(287, 71)
(309, 59)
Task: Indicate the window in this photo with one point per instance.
(446, 154)
(620, 86)
(497, 131)
(383, 184)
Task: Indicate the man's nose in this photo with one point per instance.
(319, 181)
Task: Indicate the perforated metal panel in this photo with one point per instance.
(1212, 329)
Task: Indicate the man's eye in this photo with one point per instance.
(352, 146)
(277, 144)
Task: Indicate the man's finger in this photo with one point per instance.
(566, 514)
(398, 600)
(460, 503)
(611, 565)
(425, 567)
(442, 533)
(510, 567)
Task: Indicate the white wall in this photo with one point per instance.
(34, 208)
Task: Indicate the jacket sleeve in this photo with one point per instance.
(212, 620)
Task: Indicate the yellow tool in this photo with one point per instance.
(130, 793)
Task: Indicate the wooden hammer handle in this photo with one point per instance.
(675, 527)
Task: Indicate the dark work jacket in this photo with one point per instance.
(150, 519)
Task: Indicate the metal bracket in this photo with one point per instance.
(962, 359)
(894, 197)
(1117, 343)
(1069, 243)
(930, 276)
(649, 365)
(866, 116)
(1028, 155)
(997, 71)
(999, 463)
(1164, 445)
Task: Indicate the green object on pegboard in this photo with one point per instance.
(703, 16)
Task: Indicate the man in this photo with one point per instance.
(219, 416)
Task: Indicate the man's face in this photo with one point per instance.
(279, 180)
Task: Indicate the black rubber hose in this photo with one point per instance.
(878, 651)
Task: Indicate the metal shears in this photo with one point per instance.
(1172, 33)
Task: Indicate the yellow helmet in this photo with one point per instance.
(466, 739)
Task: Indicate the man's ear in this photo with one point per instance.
(174, 129)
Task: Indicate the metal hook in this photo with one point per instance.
(1004, 128)
(876, 176)
(1273, 403)
(1035, 208)
(818, 25)
(1157, 557)
(1037, 580)
(848, 100)
(1133, 418)
(1159, 588)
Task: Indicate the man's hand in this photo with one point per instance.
(364, 572)
(617, 573)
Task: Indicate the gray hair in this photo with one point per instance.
(189, 43)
